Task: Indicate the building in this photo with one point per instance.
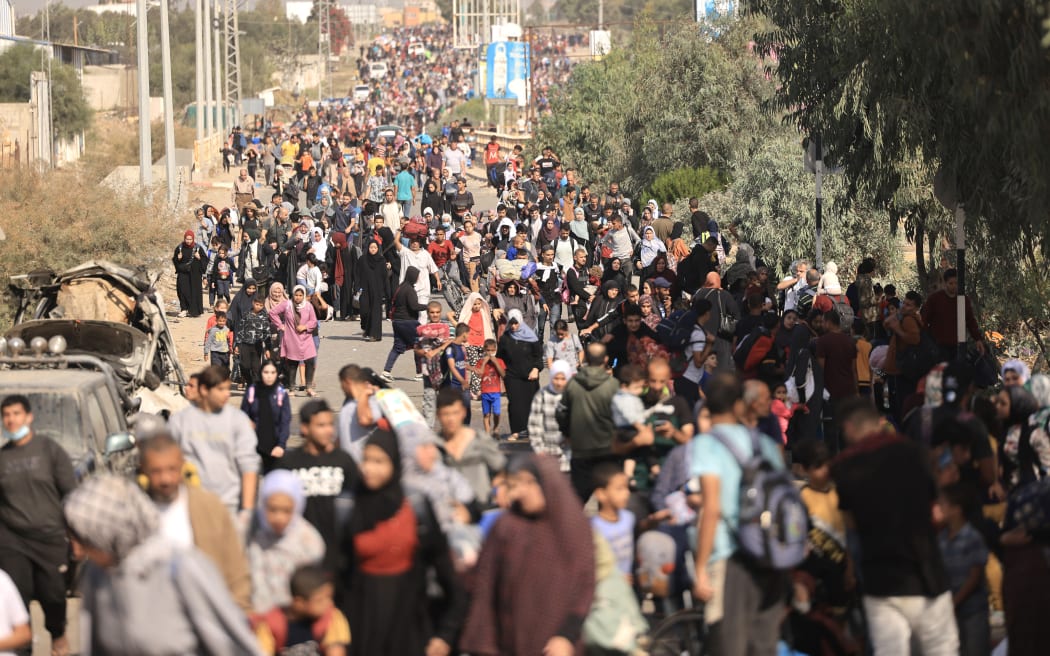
(360, 15)
(7, 18)
(127, 8)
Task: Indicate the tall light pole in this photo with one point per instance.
(169, 111)
(145, 145)
(206, 32)
(198, 37)
(220, 104)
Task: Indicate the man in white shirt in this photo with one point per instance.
(793, 283)
(416, 256)
(455, 160)
(192, 516)
(696, 352)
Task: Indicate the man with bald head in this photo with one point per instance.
(670, 422)
(585, 417)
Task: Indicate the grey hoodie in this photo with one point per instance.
(585, 412)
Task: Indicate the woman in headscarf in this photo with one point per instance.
(296, 319)
(1015, 372)
(677, 249)
(745, 263)
(432, 198)
(650, 315)
(134, 576)
(522, 353)
(269, 407)
(477, 315)
(390, 544)
(344, 261)
(579, 230)
(281, 540)
(189, 261)
(603, 315)
(535, 577)
(1014, 406)
(241, 304)
(318, 245)
(549, 232)
(223, 229)
(614, 273)
(722, 304)
(373, 279)
(648, 249)
(544, 434)
(510, 299)
(661, 269)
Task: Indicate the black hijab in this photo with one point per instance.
(241, 305)
(374, 506)
(411, 276)
(264, 427)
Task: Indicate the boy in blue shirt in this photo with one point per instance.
(614, 522)
(456, 362)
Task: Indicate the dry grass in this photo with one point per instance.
(61, 218)
(115, 142)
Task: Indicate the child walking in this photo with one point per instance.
(219, 342)
(491, 370)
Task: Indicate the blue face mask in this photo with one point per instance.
(17, 435)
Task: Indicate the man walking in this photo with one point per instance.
(35, 477)
(243, 190)
(190, 516)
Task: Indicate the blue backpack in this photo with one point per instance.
(675, 330)
(774, 526)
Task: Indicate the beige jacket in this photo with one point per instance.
(216, 536)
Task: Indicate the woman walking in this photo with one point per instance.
(269, 406)
(390, 544)
(521, 351)
(297, 320)
(534, 582)
(373, 279)
(189, 260)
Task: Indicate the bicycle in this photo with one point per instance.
(684, 631)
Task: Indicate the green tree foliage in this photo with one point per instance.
(961, 85)
(772, 199)
(69, 109)
(619, 11)
(661, 103)
(686, 183)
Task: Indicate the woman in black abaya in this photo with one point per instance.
(189, 260)
(372, 278)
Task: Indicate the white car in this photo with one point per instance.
(361, 93)
(416, 49)
(377, 70)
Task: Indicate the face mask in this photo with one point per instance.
(17, 435)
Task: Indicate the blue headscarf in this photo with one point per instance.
(523, 333)
(280, 481)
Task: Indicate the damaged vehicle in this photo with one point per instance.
(99, 332)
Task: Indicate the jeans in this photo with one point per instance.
(894, 621)
(406, 207)
(222, 289)
(542, 318)
(974, 634)
(404, 338)
(429, 404)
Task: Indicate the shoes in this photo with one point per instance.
(331, 313)
(418, 377)
(183, 314)
(386, 375)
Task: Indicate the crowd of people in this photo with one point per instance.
(814, 463)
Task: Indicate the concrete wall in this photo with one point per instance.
(20, 141)
(110, 87)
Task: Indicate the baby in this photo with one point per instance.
(829, 282)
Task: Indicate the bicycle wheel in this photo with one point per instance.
(681, 633)
(453, 295)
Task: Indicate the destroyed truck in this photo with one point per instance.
(91, 349)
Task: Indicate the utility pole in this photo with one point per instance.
(601, 14)
(233, 60)
(220, 100)
(819, 175)
(206, 32)
(169, 111)
(198, 38)
(145, 145)
(960, 268)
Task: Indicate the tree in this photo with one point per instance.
(69, 109)
(658, 104)
(619, 11)
(971, 98)
(771, 198)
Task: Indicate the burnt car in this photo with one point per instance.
(109, 312)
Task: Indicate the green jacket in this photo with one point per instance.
(585, 412)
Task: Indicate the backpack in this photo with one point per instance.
(773, 522)
(676, 329)
(841, 305)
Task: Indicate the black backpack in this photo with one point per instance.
(676, 329)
